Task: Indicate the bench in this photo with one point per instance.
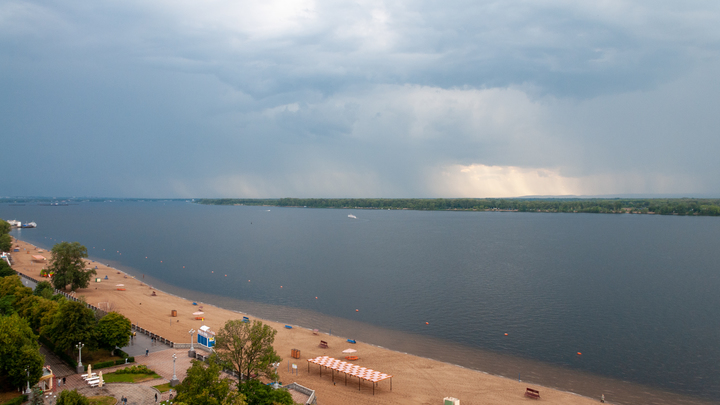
(531, 393)
(323, 344)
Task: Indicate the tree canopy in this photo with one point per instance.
(113, 330)
(69, 267)
(73, 322)
(5, 269)
(248, 348)
(44, 289)
(5, 238)
(203, 386)
(19, 351)
(258, 393)
(73, 397)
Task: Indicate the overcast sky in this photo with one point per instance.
(359, 99)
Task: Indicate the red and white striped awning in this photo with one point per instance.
(362, 373)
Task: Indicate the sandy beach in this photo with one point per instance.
(416, 380)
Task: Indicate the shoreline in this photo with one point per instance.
(418, 379)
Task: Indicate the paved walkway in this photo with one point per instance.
(59, 367)
(140, 343)
(160, 361)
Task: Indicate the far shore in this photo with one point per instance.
(416, 380)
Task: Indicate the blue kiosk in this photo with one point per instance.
(205, 336)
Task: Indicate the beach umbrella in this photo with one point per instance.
(349, 351)
(100, 382)
(198, 313)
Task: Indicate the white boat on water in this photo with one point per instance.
(14, 223)
(29, 225)
(352, 216)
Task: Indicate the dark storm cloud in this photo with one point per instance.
(367, 98)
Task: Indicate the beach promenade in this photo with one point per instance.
(416, 380)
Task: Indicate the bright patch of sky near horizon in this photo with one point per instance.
(359, 99)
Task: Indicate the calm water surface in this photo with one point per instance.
(637, 295)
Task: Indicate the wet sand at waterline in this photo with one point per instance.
(416, 380)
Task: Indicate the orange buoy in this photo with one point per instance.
(226, 275)
(280, 286)
(579, 354)
(183, 267)
(315, 297)
(506, 334)
(427, 323)
(357, 310)
(212, 272)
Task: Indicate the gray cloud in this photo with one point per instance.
(365, 99)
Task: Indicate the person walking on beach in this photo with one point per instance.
(147, 352)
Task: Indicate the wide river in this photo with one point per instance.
(637, 295)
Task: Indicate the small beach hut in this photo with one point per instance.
(205, 336)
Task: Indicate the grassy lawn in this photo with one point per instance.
(162, 387)
(100, 400)
(131, 378)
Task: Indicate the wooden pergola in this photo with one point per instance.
(350, 369)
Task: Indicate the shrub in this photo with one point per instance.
(103, 364)
(139, 369)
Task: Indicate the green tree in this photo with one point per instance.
(69, 267)
(19, 351)
(5, 269)
(11, 293)
(258, 393)
(44, 289)
(5, 239)
(38, 311)
(248, 348)
(113, 330)
(4, 227)
(72, 323)
(73, 397)
(203, 386)
(5, 242)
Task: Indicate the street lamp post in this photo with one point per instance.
(80, 367)
(191, 352)
(27, 372)
(174, 380)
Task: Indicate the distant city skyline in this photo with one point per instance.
(366, 99)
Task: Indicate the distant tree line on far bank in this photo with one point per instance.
(660, 206)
